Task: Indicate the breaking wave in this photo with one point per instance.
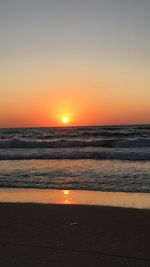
(18, 143)
(133, 154)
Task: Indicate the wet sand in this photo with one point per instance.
(73, 235)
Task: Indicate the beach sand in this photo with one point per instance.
(73, 235)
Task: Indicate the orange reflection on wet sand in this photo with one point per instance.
(116, 199)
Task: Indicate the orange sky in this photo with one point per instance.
(87, 97)
(88, 62)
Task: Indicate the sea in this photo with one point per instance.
(100, 158)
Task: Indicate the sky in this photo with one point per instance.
(87, 60)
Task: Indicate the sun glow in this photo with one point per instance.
(65, 120)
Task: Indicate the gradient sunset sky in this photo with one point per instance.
(88, 60)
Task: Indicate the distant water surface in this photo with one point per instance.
(114, 158)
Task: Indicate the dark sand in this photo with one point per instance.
(67, 235)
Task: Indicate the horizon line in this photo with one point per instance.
(75, 126)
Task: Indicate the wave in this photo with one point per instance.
(24, 143)
(134, 142)
(50, 154)
(17, 143)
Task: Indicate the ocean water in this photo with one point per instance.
(114, 158)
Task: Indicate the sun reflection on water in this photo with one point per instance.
(66, 200)
(66, 192)
(115, 199)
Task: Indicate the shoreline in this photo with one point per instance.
(42, 227)
(75, 197)
(73, 235)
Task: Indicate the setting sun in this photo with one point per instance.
(65, 120)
